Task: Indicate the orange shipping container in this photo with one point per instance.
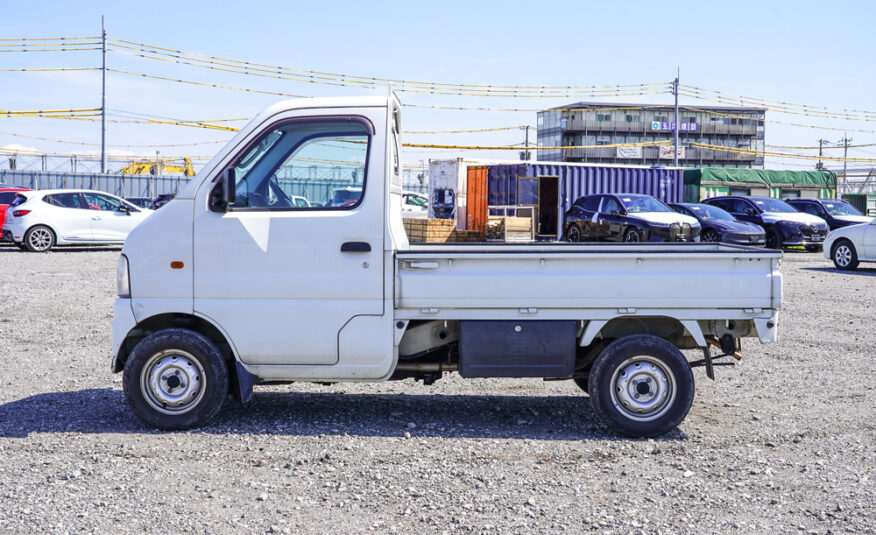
(476, 199)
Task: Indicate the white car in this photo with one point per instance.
(847, 246)
(414, 205)
(39, 220)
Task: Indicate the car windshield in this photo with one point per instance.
(707, 212)
(416, 200)
(840, 208)
(635, 204)
(774, 205)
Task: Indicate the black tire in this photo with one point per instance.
(632, 235)
(773, 239)
(583, 383)
(647, 366)
(21, 246)
(844, 255)
(710, 235)
(39, 239)
(573, 233)
(200, 370)
(813, 248)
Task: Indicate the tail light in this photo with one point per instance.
(19, 213)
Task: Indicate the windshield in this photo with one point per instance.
(840, 208)
(774, 205)
(707, 212)
(643, 204)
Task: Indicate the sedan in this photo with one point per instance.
(720, 226)
(850, 245)
(837, 213)
(39, 220)
(627, 217)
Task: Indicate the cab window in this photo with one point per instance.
(313, 159)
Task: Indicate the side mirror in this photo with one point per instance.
(124, 209)
(223, 194)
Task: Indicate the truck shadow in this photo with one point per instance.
(862, 271)
(312, 414)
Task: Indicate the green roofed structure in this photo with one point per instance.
(705, 182)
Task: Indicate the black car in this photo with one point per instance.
(627, 217)
(784, 226)
(161, 200)
(837, 213)
(719, 226)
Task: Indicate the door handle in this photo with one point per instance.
(96, 218)
(356, 247)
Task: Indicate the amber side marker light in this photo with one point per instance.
(176, 264)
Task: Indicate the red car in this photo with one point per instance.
(7, 195)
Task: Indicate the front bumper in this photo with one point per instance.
(674, 233)
(756, 240)
(123, 322)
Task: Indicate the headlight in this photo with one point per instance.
(123, 278)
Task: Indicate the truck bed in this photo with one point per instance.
(561, 281)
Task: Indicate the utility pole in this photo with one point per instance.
(675, 130)
(103, 98)
(820, 165)
(845, 142)
(525, 155)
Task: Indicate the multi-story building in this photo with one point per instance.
(589, 124)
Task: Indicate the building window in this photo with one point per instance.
(603, 117)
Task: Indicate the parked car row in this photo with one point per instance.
(756, 221)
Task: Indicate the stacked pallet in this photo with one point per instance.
(510, 229)
(438, 231)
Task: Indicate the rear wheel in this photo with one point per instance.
(773, 240)
(632, 235)
(573, 233)
(175, 379)
(710, 235)
(39, 239)
(641, 386)
(844, 255)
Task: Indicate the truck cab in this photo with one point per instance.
(256, 288)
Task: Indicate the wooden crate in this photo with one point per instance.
(429, 230)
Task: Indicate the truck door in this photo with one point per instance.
(281, 279)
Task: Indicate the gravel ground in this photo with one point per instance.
(782, 443)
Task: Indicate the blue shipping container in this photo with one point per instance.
(575, 180)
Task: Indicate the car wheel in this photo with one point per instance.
(175, 379)
(773, 240)
(641, 386)
(710, 235)
(813, 248)
(573, 233)
(632, 235)
(39, 239)
(844, 255)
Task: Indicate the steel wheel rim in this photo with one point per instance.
(40, 239)
(843, 255)
(173, 382)
(643, 388)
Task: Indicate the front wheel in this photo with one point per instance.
(773, 240)
(573, 233)
(39, 239)
(709, 235)
(632, 235)
(844, 255)
(175, 379)
(641, 386)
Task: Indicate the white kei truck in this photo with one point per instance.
(233, 284)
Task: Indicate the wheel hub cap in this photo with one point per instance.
(172, 382)
(843, 255)
(643, 388)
